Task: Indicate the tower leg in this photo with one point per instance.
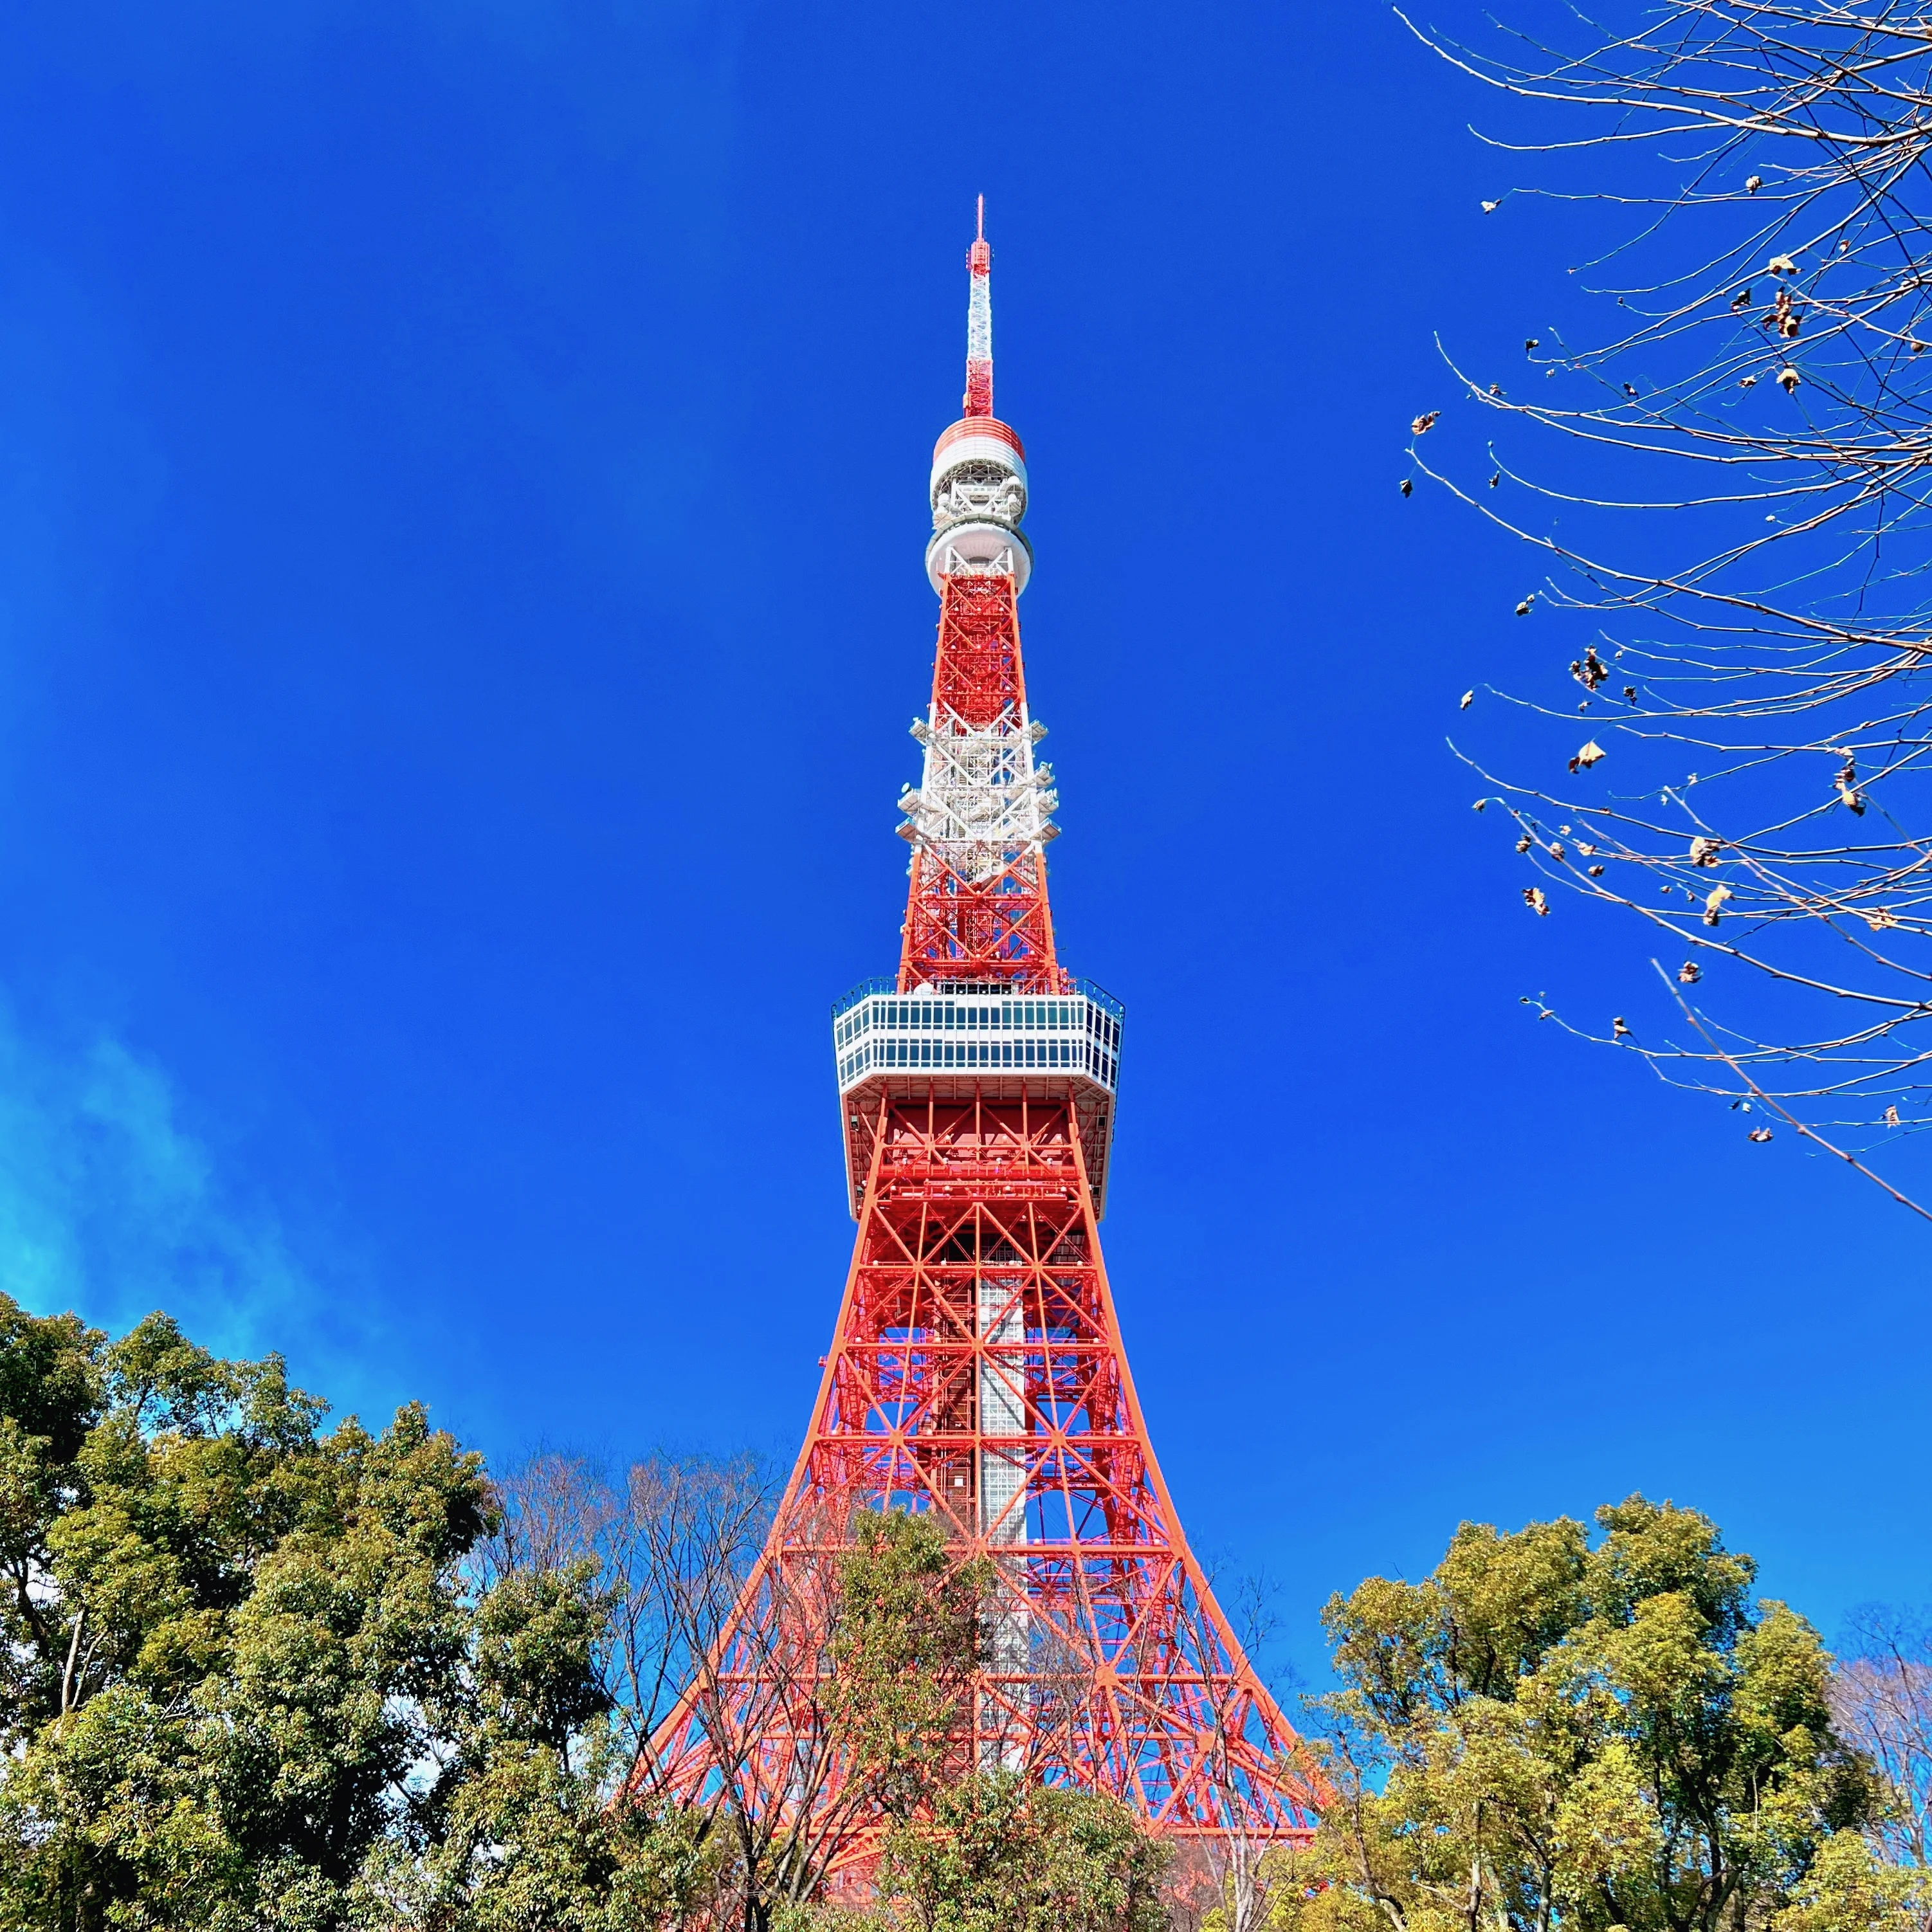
(978, 1373)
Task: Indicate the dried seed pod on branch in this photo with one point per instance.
(1746, 556)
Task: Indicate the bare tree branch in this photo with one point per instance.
(1732, 524)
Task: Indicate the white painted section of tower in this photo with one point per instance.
(986, 1031)
(1003, 1522)
(981, 800)
(978, 550)
(1002, 1408)
(976, 439)
(980, 318)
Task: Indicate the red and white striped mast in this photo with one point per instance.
(982, 816)
(979, 397)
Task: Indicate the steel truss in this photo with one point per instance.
(980, 821)
(977, 1372)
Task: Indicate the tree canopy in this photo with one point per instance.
(250, 1680)
(1551, 1731)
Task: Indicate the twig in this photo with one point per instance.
(1777, 1107)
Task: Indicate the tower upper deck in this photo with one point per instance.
(978, 494)
(981, 1006)
(959, 1040)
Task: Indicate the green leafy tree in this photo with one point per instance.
(877, 1650)
(526, 1834)
(997, 1854)
(907, 1637)
(250, 1678)
(1551, 1731)
(1850, 1889)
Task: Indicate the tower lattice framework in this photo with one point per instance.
(977, 1370)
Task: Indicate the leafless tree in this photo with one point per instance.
(1881, 1702)
(674, 1540)
(1727, 490)
(1234, 1875)
(712, 1650)
(763, 1724)
(721, 1660)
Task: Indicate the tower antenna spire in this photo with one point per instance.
(980, 323)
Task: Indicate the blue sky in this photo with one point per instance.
(461, 475)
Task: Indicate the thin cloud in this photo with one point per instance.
(109, 1206)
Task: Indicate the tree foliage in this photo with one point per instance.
(1549, 1731)
(997, 1854)
(251, 1680)
(906, 1640)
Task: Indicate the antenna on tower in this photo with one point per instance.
(978, 401)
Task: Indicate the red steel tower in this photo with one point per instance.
(977, 1370)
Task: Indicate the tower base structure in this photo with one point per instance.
(977, 1373)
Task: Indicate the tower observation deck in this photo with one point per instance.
(976, 1370)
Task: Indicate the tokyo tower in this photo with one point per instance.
(976, 1370)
